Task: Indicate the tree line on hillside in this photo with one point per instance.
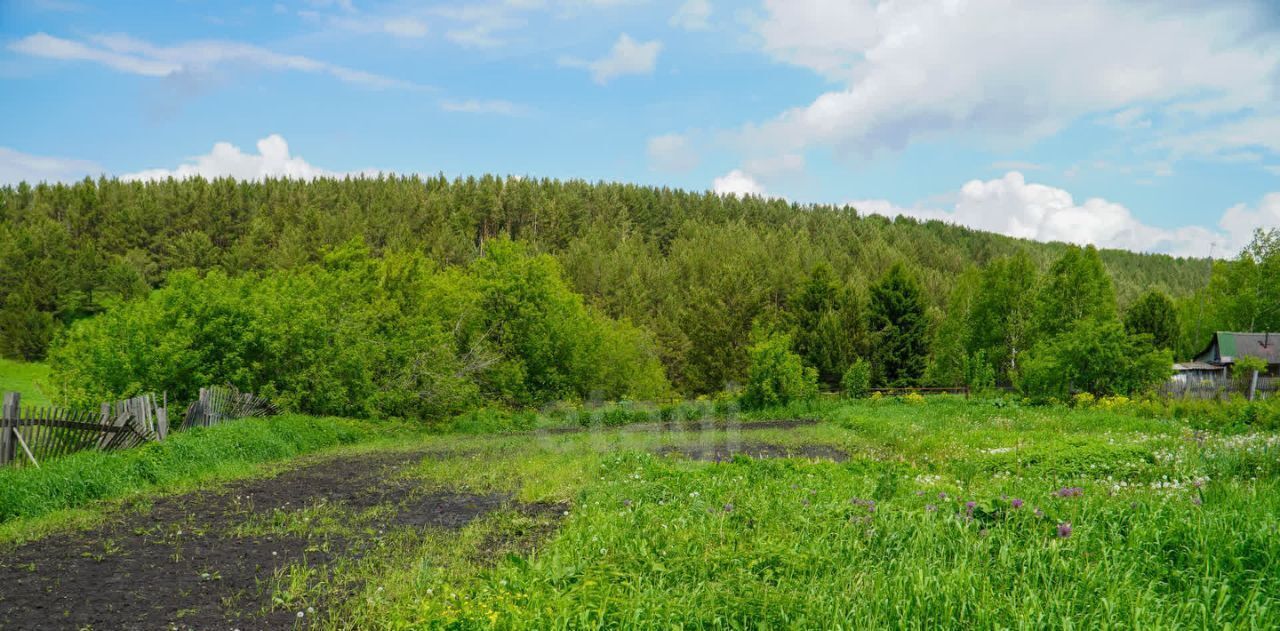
(705, 278)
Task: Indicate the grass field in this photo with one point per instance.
(943, 513)
(31, 380)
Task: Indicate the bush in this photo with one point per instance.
(359, 336)
(1094, 356)
(776, 375)
(857, 380)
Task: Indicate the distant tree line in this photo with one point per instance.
(705, 278)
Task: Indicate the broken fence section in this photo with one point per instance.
(218, 404)
(29, 436)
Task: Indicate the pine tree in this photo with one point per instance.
(897, 321)
(1154, 315)
(826, 323)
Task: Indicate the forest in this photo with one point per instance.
(521, 292)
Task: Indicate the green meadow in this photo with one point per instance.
(946, 513)
(29, 379)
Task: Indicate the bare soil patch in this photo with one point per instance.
(760, 451)
(179, 564)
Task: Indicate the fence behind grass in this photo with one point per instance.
(29, 436)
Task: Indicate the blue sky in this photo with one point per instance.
(1148, 125)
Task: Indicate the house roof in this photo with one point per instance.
(1232, 345)
(1194, 365)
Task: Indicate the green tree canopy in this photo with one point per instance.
(899, 328)
(1094, 356)
(1077, 287)
(1154, 314)
(826, 324)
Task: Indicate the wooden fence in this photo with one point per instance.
(218, 404)
(1219, 388)
(35, 434)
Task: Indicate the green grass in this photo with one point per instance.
(654, 541)
(191, 456)
(27, 379)
(1174, 527)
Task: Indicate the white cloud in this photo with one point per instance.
(16, 166)
(626, 57)
(1013, 71)
(671, 152)
(405, 27)
(1240, 221)
(1012, 206)
(1131, 117)
(692, 15)
(226, 160)
(737, 183)
(478, 106)
(135, 56)
(775, 166)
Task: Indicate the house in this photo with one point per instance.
(1226, 347)
(1198, 373)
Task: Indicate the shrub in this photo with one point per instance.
(857, 380)
(1083, 400)
(1094, 356)
(359, 336)
(776, 375)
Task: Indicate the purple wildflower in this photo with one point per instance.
(626, 503)
(1016, 503)
(942, 496)
(1070, 491)
(970, 505)
(1196, 500)
(930, 507)
(1039, 513)
(1064, 530)
(728, 508)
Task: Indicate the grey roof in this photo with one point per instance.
(1194, 365)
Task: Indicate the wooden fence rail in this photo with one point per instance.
(35, 434)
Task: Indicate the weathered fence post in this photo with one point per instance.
(1253, 385)
(9, 415)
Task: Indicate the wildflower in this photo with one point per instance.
(300, 614)
(694, 494)
(1064, 530)
(626, 503)
(1070, 491)
(930, 508)
(942, 496)
(970, 505)
(1196, 500)
(1039, 513)
(1016, 503)
(728, 508)
(805, 501)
